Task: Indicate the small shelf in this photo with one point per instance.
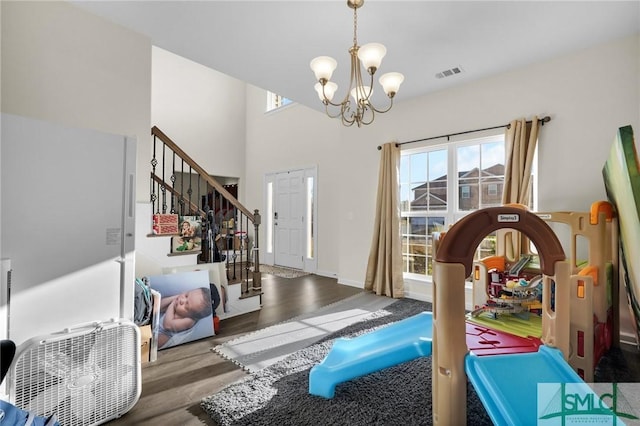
(185, 253)
(162, 235)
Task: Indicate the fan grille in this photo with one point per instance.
(84, 377)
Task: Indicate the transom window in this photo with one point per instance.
(440, 184)
(275, 101)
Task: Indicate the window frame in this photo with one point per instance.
(452, 213)
(465, 191)
(276, 102)
(492, 188)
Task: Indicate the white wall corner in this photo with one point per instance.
(328, 274)
(351, 283)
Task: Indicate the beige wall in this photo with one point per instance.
(202, 110)
(588, 94)
(63, 65)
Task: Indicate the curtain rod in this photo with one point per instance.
(543, 120)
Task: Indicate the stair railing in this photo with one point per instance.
(179, 185)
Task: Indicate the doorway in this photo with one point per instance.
(290, 219)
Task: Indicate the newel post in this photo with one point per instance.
(257, 276)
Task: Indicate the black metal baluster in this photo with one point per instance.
(173, 183)
(163, 188)
(233, 243)
(182, 189)
(154, 163)
(199, 195)
(190, 190)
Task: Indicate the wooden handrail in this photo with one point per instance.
(195, 166)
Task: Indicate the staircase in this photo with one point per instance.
(226, 239)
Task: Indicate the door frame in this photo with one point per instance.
(310, 218)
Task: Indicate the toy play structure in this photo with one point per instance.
(503, 290)
(450, 337)
(453, 263)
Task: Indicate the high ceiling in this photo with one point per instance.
(270, 43)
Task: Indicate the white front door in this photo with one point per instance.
(289, 219)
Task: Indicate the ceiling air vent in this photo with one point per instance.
(449, 72)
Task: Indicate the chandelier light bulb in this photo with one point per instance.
(391, 82)
(361, 111)
(371, 55)
(329, 90)
(361, 92)
(323, 67)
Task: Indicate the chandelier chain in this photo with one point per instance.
(360, 110)
(355, 26)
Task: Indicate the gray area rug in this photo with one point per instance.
(260, 349)
(282, 272)
(278, 395)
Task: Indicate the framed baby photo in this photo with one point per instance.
(185, 307)
(190, 238)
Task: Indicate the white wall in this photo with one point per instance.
(201, 110)
(63, 65)
(297, 137)
(3, 283)
(588, 94)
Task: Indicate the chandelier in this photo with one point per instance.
(360, 110)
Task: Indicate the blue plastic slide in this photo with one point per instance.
(394, 344)
(508, 386)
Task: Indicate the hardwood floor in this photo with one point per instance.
(173, 386)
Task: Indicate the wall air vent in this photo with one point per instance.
(449, 72)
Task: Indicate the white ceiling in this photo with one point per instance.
(270, 43)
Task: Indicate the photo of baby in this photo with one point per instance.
(185, 307)
(190, 238)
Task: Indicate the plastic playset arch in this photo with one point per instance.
(453, 263)
(461, 241)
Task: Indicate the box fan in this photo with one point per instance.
(86, 375)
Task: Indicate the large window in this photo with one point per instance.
(439, 185)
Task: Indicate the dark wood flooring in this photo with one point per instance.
(173, 386)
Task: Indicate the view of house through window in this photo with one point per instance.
(275, 101)
(441, 184)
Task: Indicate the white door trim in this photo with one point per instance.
(310, 218)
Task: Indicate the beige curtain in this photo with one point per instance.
(384, 269)
(520, 145)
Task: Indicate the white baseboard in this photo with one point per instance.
(350, 283)
(236, 306)
(417, 290)
(327, 274)
(418, 296)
